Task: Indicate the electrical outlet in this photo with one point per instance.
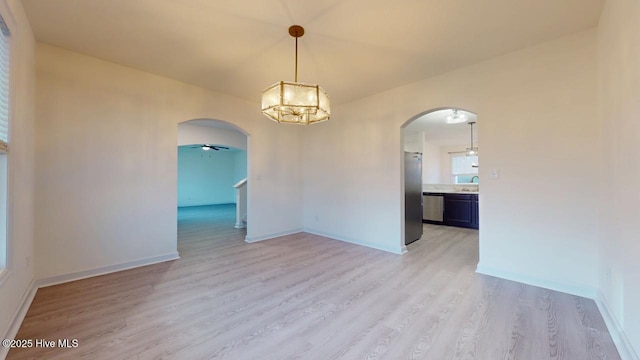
(27, 261)
(494, 174)
(607, 275)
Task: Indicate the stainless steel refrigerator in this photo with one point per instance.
(412, 196)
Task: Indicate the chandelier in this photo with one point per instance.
(294, 102)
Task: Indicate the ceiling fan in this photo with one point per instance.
(207, 147)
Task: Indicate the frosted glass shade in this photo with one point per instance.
(295, 103)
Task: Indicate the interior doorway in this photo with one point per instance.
(213, 163)
(440, 176)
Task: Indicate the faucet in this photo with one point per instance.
(475, 177)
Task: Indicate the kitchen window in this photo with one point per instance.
(462, 168)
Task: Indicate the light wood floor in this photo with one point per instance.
(308, 297)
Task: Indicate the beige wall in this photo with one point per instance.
(539, 221)
(413, 142)
(106, 163)
(15, 281)
(106, 159)
(431, 163)
(619, 84)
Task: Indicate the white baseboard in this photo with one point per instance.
(30, 293)
(626, 350)
(618, 335)
(399, 250)
(252, 239)
(207, 204)
(59, 279)
(25, 303)
(573, 289)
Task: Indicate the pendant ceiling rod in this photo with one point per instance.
(471, 123)
(472, 151)
(294, 102)
(296, 31)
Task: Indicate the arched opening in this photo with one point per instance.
(212, 186)
(440, 182)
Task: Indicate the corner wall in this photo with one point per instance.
(619, 84)
(107, 164)
(16, 283)
(539, 125)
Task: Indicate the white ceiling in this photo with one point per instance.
(352, 48)
(438, 132)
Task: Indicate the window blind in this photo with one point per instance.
(462, 164)
(4, 85)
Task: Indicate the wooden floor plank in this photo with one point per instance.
(304, 296)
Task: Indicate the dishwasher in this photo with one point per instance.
(433, 208)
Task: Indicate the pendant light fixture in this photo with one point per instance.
(472, 151)
(294, 102)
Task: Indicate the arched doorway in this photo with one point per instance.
(213, 165)
(439, 171)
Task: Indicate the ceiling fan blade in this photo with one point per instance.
(209, 147)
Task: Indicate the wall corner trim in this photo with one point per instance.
(253, 239)
(624, 346)
(21, 312)
(395, 250)
(30, 293)
(572, 289)
(59, 279)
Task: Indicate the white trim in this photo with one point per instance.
(394, 250)
(240, 183)
(573, 289)
(624, 346)
(252, 239)
(21, 312)
(59, 279)
(30, 293)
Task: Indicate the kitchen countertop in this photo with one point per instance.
(450, 192)
(450, 188)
